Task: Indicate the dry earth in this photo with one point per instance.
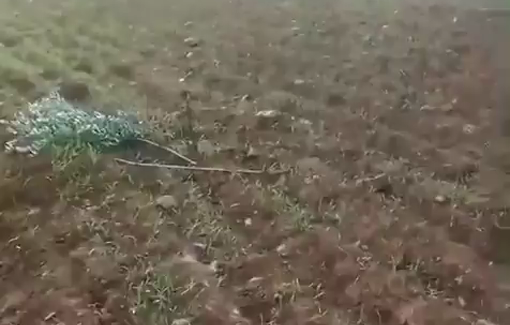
(380, 127)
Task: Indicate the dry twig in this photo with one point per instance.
(193, 168)
(172, 151)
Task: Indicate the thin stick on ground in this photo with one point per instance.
(192, 168)
(172, 151)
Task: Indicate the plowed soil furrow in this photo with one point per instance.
(378, 127)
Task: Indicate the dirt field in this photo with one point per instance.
(380, 127)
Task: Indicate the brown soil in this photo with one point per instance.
(380, 128)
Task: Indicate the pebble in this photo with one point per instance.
(267, 114)
(252, 153)
(440, 199)
(206, 148)
(166, 202)
(181, 321)
(192, 42)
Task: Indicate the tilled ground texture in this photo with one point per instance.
(379, 127)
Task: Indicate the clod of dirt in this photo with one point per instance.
(206, 148)
(441, 199)
(484, 322)
(181, 321)
(252, 153)
(192, 42)
(267, 114)
(74, 91)
(167, 202)
(267, 118)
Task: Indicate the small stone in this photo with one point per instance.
(469, 129)
(206, 148)
(267, 114)
(282, 250)
(22, 150)
(167, 202)
(440, 199)
(189, 55)
(248, 222)
(268, 118)
(252, 153)
(484, 322)
(215, 266)
(299, 82)
(181, 321)
(256, 279)
(191, 42)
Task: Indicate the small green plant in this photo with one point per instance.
(155, 299)
(299, 218)
(53, 125)
(163, 298)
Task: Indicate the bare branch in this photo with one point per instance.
(172, 151)
(192, 168)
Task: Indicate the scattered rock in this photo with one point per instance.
(191, 42)
(181, 321)
(268, 114)
(167, 202)
(252, 153)
(282, 250)
(206, 148)
(302, 125)
(484, 322)
(267, 118)
(469, 129)
(441, 199)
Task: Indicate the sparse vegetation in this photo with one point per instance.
(369, 120)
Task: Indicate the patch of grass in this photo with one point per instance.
(163, 298)
(297, 217)
(206, 225)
